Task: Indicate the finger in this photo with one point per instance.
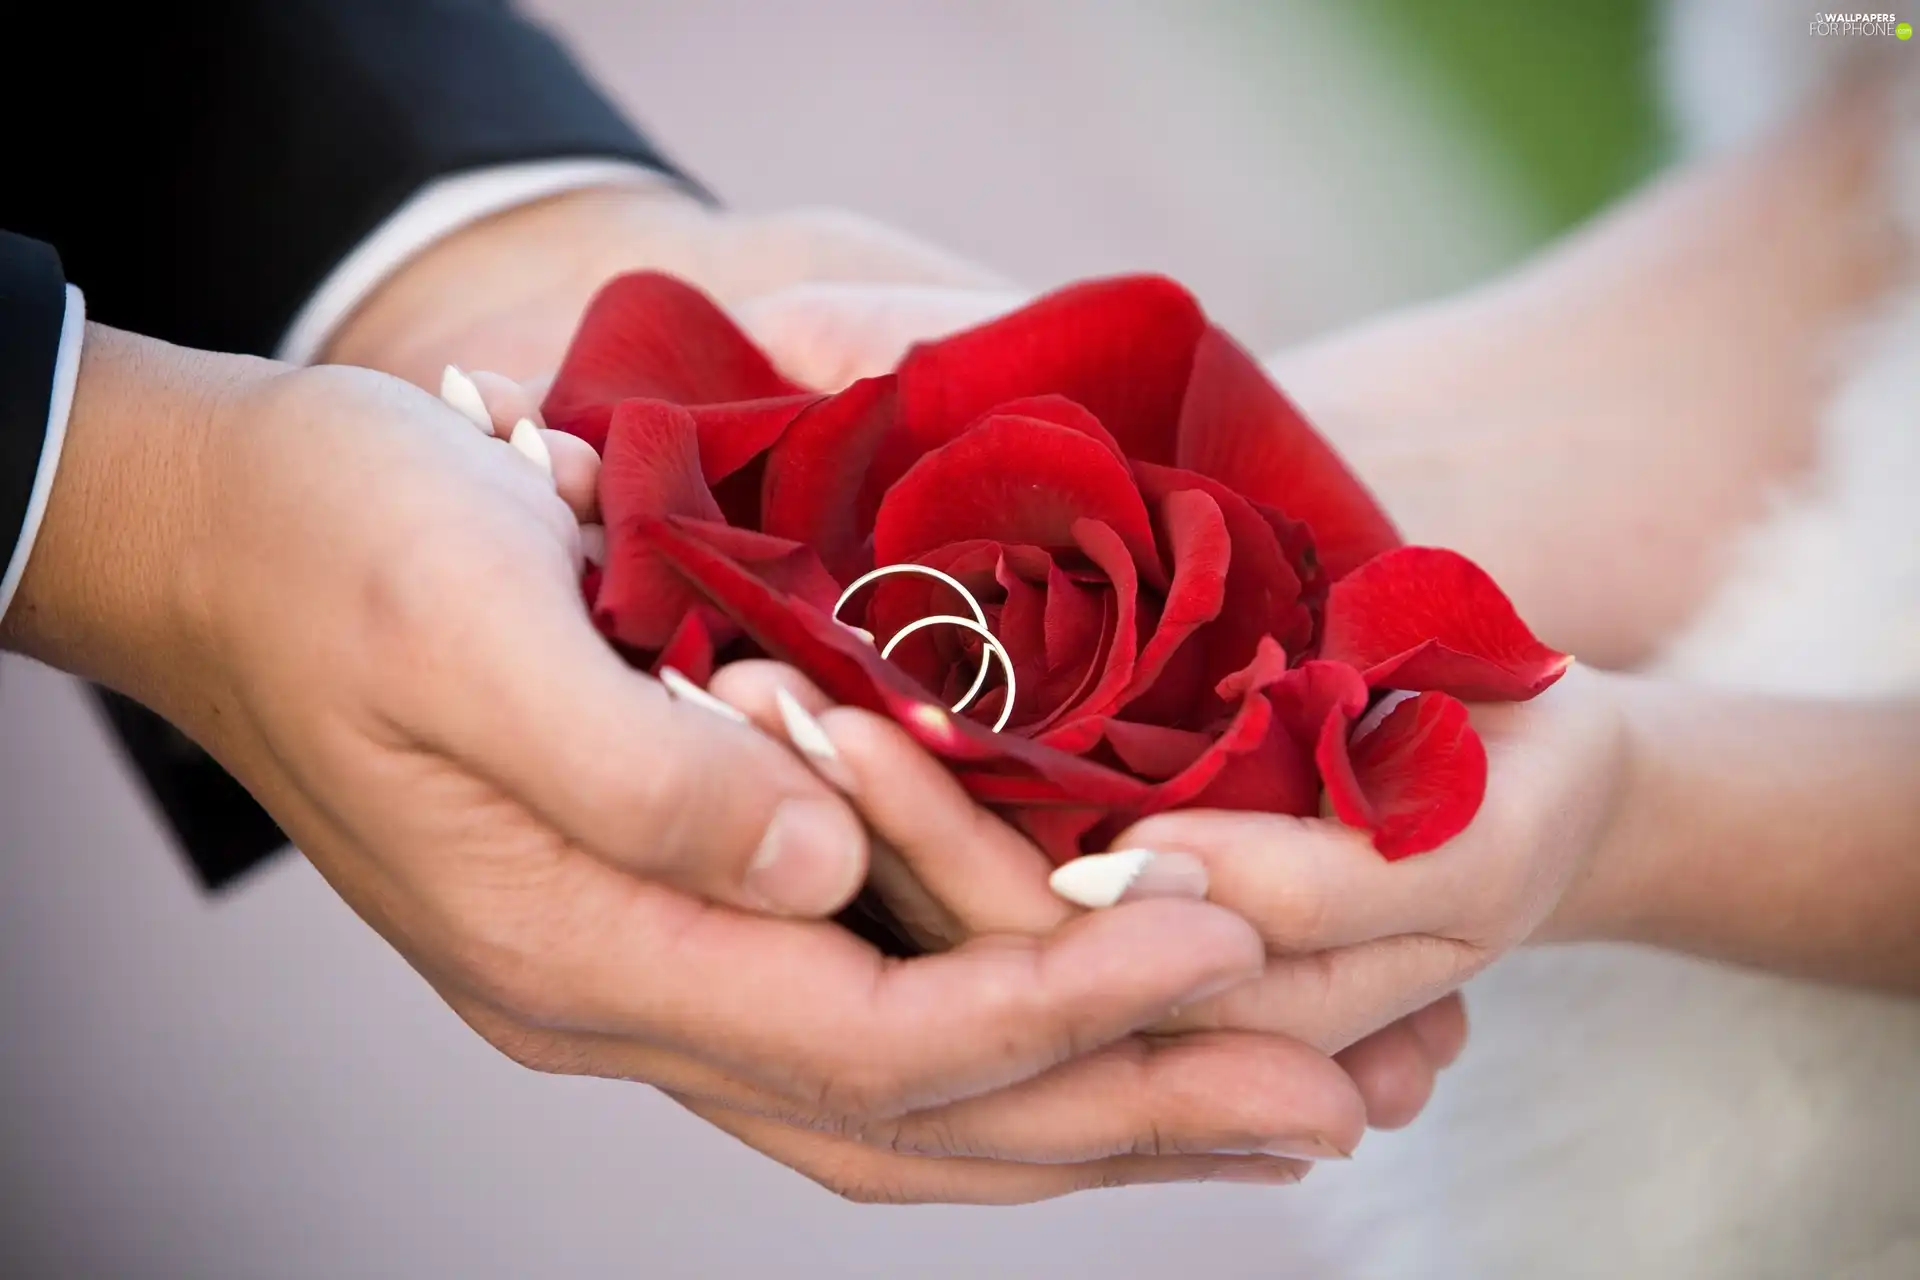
(538, 703)
(1307, 884)
(859, 1172)
(575, 465)
(1442, 1028)
(507, 401)
(812, 1013)
(1198, 1095)
(1331, 999)
(988, 876)
(576, 474)
(1393, 1073)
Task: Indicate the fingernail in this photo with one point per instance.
(1104, 879)
(862, 632)
(810, 737)
(1307, 1146)
(805, 865)
(526, 438)
(593, 543)
(687, 691)
(459, 391)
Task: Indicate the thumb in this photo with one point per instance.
(664, 787)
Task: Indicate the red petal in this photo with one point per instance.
(1275, 777)
(1197, 536)
(1424, 618)
(1153, 751)
(1014, 480)
(732, 435)
(651, 469)
(1315, 694)
(652, 466)
(1076, 617)
(1267, 666)
(690, 651)
(653, 336)
(1415, 782)
(1103, 547)
(1237, 427)
(1061, 412)
(1262, 592)
(1120, 347)
(1058, 832)
(815, 474)
(1246, 732)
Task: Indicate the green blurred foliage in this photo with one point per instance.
(1563, 92)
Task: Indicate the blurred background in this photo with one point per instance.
(256, 1086)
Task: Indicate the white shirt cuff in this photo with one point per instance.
(435, 211)
(66, 371)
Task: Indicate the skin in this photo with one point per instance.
(368, 611)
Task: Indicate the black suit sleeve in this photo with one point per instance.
(201, 167)
(33, 308)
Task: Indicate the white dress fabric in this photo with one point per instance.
(1626, 1113)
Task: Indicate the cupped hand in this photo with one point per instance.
(1356, 941)
(369, 613)
(506, 293)
(950, 870)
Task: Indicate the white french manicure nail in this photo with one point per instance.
(810, 738)
(687, 691)
(459, 391)
(1104, 879)
(526, 438)
(593, 543)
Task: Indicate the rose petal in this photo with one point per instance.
(1425, 618)
(1153, 751)
(815, 473)
(651, 466)
(1058, 832)
(1267, 666)
(1197, 536)
(1103, 546)
(689, 651)
(651, 469)
(1014, 480)
(1275, 777)
(1315, 694)
(732, 435)
(1415, 782)
(1121, 348)
(1245, 732)
(650, 335)
(1239, 428)
(1262, 591)
(1061, 412)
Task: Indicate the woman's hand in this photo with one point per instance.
(1355, 941)
(950, 870)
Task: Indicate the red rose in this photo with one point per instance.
(1199, 600)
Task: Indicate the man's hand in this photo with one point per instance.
(506, 293)
(369, 612)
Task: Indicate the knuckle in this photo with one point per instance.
(1294, 913)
